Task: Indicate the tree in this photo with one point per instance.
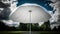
(55, 29)
(35, 27)
(59, 28)
(22, 27)
(45, 26)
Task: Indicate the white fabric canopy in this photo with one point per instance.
(30, 14)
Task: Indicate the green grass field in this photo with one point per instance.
(27, 32)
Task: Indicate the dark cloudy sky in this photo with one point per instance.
(44, 3)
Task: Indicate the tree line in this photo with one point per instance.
(26, 27)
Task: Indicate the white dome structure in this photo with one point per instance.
(30, 13)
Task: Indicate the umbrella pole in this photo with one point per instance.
(30, 29)
(30, 22)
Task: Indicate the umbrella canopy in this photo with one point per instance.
(30, 14)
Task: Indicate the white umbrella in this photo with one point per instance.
(30, 13)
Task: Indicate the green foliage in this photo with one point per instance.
(45, 26)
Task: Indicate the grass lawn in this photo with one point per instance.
(26, 32)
